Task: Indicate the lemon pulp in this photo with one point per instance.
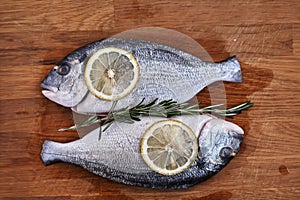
(111, 73)
(169, 147)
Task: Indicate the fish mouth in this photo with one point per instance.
(55, 95)
(52, 93)
(48, 88)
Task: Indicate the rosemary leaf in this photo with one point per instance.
(166, 108)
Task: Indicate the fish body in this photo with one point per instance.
(165, 73)
(117, 155)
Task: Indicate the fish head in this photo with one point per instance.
(65, 84)
(219, 142)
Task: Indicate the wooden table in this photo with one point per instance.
(265, 35)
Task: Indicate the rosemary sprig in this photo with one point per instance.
(167, 108)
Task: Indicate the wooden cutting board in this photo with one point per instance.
(265, 35)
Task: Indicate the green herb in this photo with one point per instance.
(167, 108)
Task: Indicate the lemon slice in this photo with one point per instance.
(169, 147)
(111, 73)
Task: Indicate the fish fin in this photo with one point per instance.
(231, 70)
(49, 153)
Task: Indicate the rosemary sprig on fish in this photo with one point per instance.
(166, 109)
(111, 75)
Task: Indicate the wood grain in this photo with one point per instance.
(265, 35)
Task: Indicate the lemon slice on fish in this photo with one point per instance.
(111, 73)
(169, 147)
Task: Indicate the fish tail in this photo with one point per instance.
(231, 70)
(50, 152)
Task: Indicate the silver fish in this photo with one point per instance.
(166, 73)
(117, 155)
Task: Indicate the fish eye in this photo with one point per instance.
(226, 152)
(63, 70)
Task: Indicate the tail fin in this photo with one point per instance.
(231, 70)
(50, 152)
